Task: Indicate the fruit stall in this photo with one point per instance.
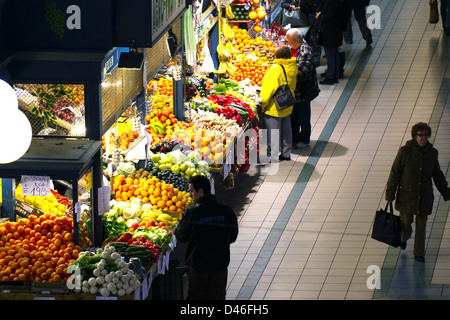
(117, 147)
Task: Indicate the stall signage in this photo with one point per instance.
(60, 24)
(35, 186)
(164, 13)
(111, 61)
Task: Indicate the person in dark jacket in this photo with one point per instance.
(306, 80)
(333, 15)
(358, 7)
(410, 185)
(208, 228)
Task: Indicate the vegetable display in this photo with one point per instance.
(104, 272)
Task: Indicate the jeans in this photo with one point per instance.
(301, 122)
(333, 62)
(206, 285)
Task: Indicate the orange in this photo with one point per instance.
(68, 237)
(161, 204)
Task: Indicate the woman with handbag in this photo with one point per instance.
(410, 184)
(283, 71)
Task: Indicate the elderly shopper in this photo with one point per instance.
(410, 185)
(278, 119)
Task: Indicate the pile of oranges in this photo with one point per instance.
(164, 87)
(251, 69)
(38, 248)
(151, 190)
(243, 39)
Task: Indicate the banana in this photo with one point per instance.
(165, 216)
(222, 50)
(229, 12)
(231, 69)
(231, 48)
(227, 31)
(148, 215)
(222, 67)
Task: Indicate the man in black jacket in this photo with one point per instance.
(208, 228)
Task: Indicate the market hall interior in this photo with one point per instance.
(305, 226)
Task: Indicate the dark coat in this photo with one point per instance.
(358, 3)
(333, 22)
(410, 178)
(208, 228)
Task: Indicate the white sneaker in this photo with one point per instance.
(301, 145)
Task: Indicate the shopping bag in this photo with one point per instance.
(294, 18)
(434, 13)
(283, 97)
(387, 226)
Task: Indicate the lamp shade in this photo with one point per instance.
(8, 98)
(15, 135)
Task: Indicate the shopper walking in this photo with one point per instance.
(410, 185)
(279, 120)
(305, 90)
(358, 7)
(333, 15)
(208, 228)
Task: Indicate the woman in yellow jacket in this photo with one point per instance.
(274, 119)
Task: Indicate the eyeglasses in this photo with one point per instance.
(423, 135)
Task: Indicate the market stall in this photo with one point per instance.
(119, 145)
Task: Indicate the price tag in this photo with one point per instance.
(35, 186)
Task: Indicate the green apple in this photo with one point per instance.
(183, 167)
(175, 168)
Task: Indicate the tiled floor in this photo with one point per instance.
(305, 227)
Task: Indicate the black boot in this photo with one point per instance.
(327, 80)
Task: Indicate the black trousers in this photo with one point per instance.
(360, 17)
(301, 122)
(206, 285)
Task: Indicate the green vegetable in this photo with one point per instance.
(157, 235)
(113, 228)
(126, 169)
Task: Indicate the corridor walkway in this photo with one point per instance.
(305, 229)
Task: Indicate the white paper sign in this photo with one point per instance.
(104, 195)
(35, 186)
(77, 209)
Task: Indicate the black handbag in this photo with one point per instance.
(387, 227)
(283, 97)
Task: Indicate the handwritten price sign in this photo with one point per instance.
(35, 186)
